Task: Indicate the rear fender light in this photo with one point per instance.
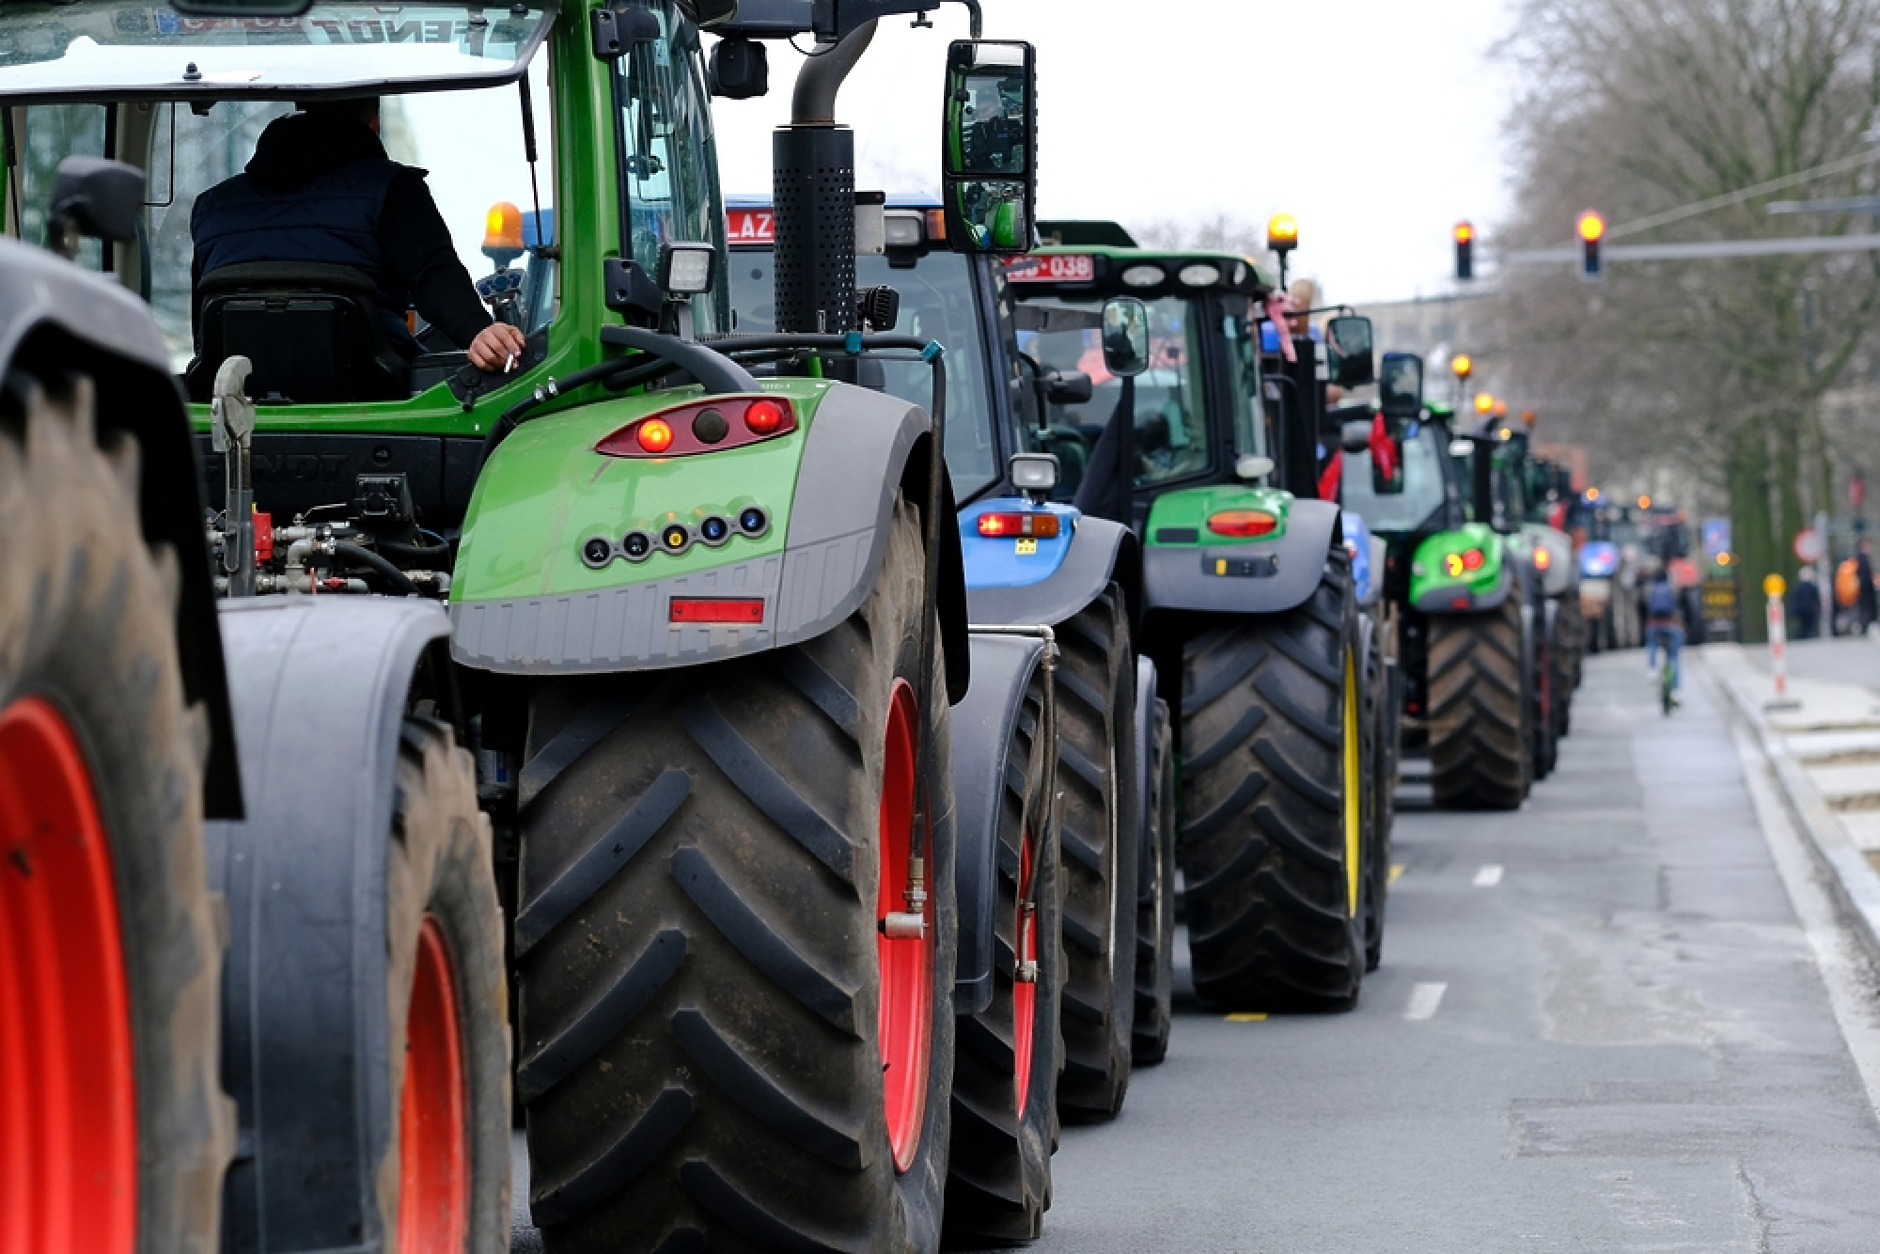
(703, 427)
(741, 611)
(1243, 524)
(1017, 525)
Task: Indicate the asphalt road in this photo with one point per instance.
(1598, 1026)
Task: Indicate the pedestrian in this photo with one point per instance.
(1866, 607)
(1805, 604)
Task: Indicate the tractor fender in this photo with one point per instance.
(982, 728)
(1101, 552)
(860, 448)
(1562, 570)
(1265, 577)
(57, 320)
(1145, 768)
(320, 686)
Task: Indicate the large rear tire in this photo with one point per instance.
(1155, 915)
(1100, 825)
(1006, 1068)
(114, 1129)
(1271, 847)
(720, 1047)
(1479, 752)
(1381, 721)
(448, 998)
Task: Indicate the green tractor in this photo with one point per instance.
(697, 633)
(1462, 587)
(1273, 675)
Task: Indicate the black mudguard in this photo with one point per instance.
(982, 728)
(320, 687)
(1103, 552)
(56, 319)
(1267, 577)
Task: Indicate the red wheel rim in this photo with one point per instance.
(433, 1165)
(1025, 993)
(906, 962)
(68, 1090)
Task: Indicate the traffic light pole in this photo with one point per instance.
(1702, 251)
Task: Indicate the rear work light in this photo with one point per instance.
(702, 426)
(746, 611)
(1243, 524)
(1041, 526)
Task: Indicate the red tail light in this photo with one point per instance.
(1040, 526)
(716, 610)
(1243, 524)
(702, 426)
(1472, 559)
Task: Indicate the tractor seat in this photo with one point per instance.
(311, 329)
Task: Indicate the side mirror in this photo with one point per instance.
(1348, 351)
(1067, 387)
(95, 198)
(1400, 388)
(1125, 336)
(990, 136)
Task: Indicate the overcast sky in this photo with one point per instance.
(1377, 123)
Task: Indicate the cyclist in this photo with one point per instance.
(1663, 625)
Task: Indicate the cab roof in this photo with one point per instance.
(1150, 273)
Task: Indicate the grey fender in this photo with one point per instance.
(1380, 555)
(56, 320)
(320, 688)
(1145, 768)
(982, 728)
(1443, 601)
(861, 448)
(1101, 552)
(1269, 576)
(1559, 577)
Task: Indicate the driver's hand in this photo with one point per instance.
(495, 345)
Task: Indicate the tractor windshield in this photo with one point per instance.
(1169, 410)
(937, 303)
(1424, 448)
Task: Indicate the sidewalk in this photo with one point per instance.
(1824, 745)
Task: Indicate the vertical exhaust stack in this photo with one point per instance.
(813, 194)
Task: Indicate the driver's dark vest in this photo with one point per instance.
(333, 219)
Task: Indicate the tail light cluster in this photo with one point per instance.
(1243, 524)
(676, 535)
(1042, 525)
(703, 427)
(1456, 564)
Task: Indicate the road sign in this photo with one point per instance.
(1809, 546)
(1716, 536)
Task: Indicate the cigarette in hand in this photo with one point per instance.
(509, 364)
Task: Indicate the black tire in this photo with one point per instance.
(88, 628)
(1155, 914)
(1542, 670)
(1098, 832)
(999, 1163)
(440, 875)
(1478, 726)
(1267, 797)
(1561, 674)
(698, 962)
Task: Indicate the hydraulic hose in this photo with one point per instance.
(411, 557)
(367, 558)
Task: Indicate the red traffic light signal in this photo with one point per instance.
(1465, 250)
(1592, 229)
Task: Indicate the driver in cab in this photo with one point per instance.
(321, 189)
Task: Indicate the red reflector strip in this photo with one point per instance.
(1242, 523)
(1033, 526)
(716, 610)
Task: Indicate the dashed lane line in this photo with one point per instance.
(1396, 872)
(1246, 1017)
(1424, 999)
(1488, 876)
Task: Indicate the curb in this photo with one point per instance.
(1852, 879)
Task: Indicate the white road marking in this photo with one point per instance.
(1837, 953)
(1424, 999)
(1488, 876)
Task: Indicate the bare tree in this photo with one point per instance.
(1715, 368)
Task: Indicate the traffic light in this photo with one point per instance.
(1592, 229)
(1465, 250)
